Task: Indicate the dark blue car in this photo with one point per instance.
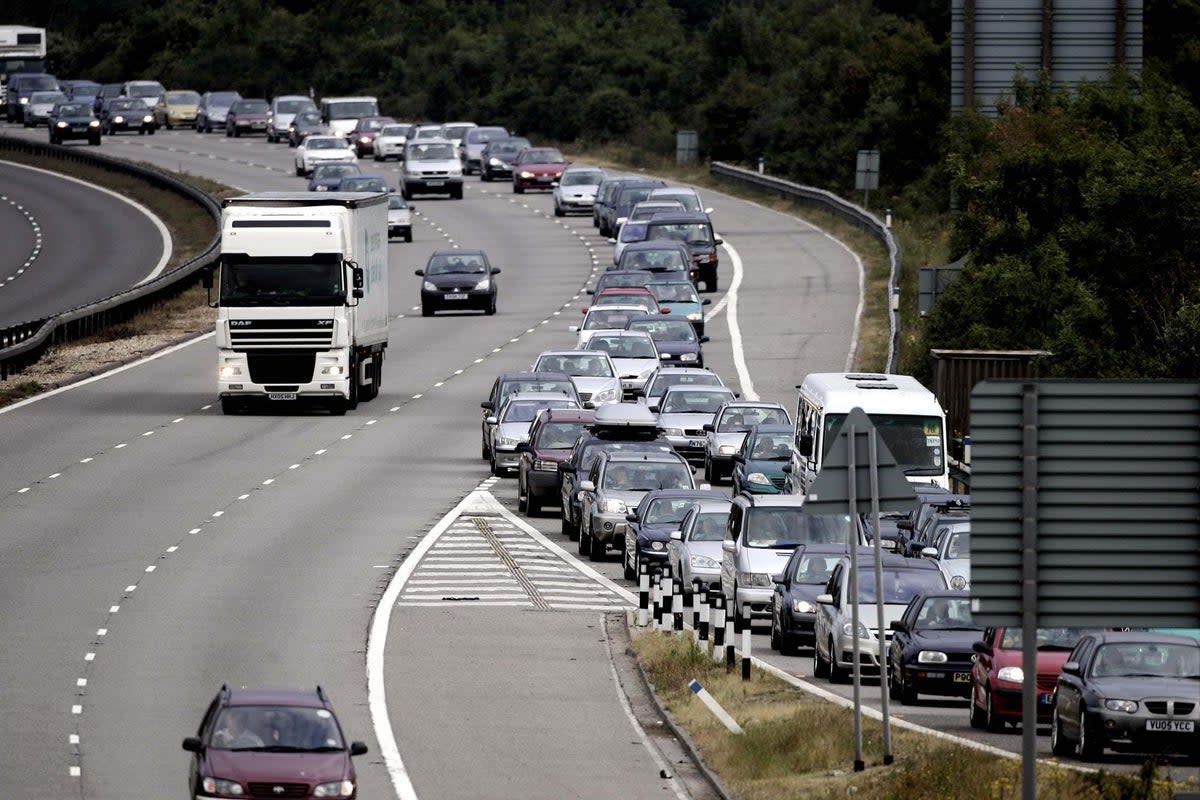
(932, 647)
(676, 340)
(794, 605)
(328, 176)
(650, 525)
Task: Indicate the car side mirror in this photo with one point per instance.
(929, 552)
(206, 278)
(738, 458)
(786, 469)
(193, 744)
(591, 291)
(703, 340)
(573, 328)
(412, 207)
(781, 580)
(587, 486)
(982, 647)
(825, 599)
(495, 270)
(523, 447)
(708, 426)
(897, 625)
(631, 517)
(708, 211)
(677, 536)
(718, 242)
(654, 408)
(729, 546)
(487, 404)
(706, 301)
(664, 310)
(492, 420)
(419, 272)
(358, 748)
(1071, 668)
(612, 240)
(904, 524)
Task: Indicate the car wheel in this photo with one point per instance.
(820, 665)
(487, 453)
(837, 674)
(776, 638)
(522, 504)
(629, 571)
(495, 468)
(491, 309)
(300, 172)
(992, 722)
(893, 680)
(708, 475)
(908, 692)
(405, 193)
(533, 504)
(598, 550)
(485, 176)
(456, 193)
(426, 311)
(95, 141)
(377, 158)
(1090, 747)
(338, 407)
(141, 131)
(558, 212)
(232, 405)
(518, 189)
(978, 719)
(585, 540)
(1060, 745)
(710, 285)
(228, 133)
(565, 527)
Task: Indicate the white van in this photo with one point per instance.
(908, 417)
(341, 114)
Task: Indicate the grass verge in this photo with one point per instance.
(798, 746)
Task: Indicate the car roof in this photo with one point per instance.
(771, 427)
(961, 593)
(638, 290)
(667, 368)
(458, 251)
(620, 333)
(530, 396)
(644, 455)
(680, 216)
(752, 404)
(1143, 637)
(772, 500)
(824, 548)
(654, 244)
(617, 307)
(897, 561)
(709, 505)
(566, 353)
(567, 414)
(625, 415)
(276, 697)
(684, 389)
(699, 494)
(665, 191)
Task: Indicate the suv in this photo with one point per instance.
(616, 483)
(834, 639)
(762, 532)
(21, 86)
(271, 743)
(551, 437)
(431, 167)
(696, 231)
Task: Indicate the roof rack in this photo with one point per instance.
(866, 376)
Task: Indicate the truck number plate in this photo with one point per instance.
(457, 296)
(281, 396)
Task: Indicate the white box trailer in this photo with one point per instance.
(302, 310)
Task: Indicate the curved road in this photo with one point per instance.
(67, 243)
(152, 549)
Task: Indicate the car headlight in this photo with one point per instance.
(673, 431)
(230, 371)
(689, 357)
(1128, 706)
(726, 449)
(322, 187)
(334, 370)
(118, 119)
(758, 478)
(1011, 674)
(482, 285)
(495, 162)
(364, 139)
(760, 579)
(848, 630)
(24, 101)
(335, 789)
(703, 562)
(695, 315)
(147, 118)
(613, 506)
(931, 657)
(222, 786)
(455, 172)
(658, 546)
(62, 124)
(803, 607)
(526, 173)
(429, 286)
(94, 123)
(291, 128)
(605, 396)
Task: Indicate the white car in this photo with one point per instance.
(688, 197)
(951, 549)
(320, 149)
(431, 166)
(576, 190)
(399, 218)
(455, 131)
(390, 141)
(592, 371)
(611, 319)
(283, 110)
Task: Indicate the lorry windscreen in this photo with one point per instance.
(282, 281)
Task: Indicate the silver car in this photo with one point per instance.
(616, 483)
(952, 551)
(512, 423)
(283, 110)
(666, 376)
(592, 371)
(37, 111)
(695, 549)
(576, 190)
(634, 355)
(683, 411)
(724, 436)
(473, 142)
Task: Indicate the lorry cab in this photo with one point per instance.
(911, 424)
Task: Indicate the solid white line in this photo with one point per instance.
(735, 331)
(158, 223)
(862, 299)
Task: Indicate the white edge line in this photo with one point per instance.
(862, 299)
(158, 223)
(164, 352)
(735, 331)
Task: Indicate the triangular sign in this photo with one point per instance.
(830, 492)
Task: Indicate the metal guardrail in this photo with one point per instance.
(23, 344)
(855, 215)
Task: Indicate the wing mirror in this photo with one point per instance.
(703, 340)
(738, 458)
(495, 270)
(708, 426)
(825, 599)
(419, 272)
(193, 744)
(677, 536)
(706, 301)
(718, 242)
(587, 486)
(492, 420)
(487, 404)
(982, 647)
(631, 517)
(929, 552)
(573, 328)
(1071, 668)
(781, 580)
(729, 546)
(358, 748)
(897, 625)
(787, 469)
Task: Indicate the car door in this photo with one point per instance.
(568, 473)
(587, 497)
(676, 548)
(1068, 692)
(823, 623)
(982, 668)
(901, 638)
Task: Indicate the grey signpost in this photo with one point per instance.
(862, 476)
(866, 174)
(1085, 512)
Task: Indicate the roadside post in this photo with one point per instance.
(703, 626)
(718, 627)
(861, 476)
(643, 615)
(668, 592)
(656, 599)
(746, 642)
(683, 599)
(731, 622)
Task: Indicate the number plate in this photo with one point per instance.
(545, 177)
(456, 296)
(1046, 698)
(435, 183)
(281, 396)
(962, 677)
(696, 442)
(1170, 725)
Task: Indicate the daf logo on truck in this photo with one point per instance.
(298, 318)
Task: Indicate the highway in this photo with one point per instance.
(67, 243)
(152, 549)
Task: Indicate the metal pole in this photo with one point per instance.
(1029, 594)
(851, 471)
(883, 657)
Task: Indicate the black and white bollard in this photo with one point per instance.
(677, 606)
(730, 645)
(656, 599)
(746, 642)
(718, 627)
(668, 595)
(643, 616)
(702, 616)
(688, 608)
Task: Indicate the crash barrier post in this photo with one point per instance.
(702, 609)
(656, 598)
(732, 624)
(679, 605)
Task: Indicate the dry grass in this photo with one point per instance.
(797, 746)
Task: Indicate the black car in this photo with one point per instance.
(127, 114)
(676, 340)
(305, 124)
(498, 156)
(659, 256)
(621, 202)
(794, 605)
(648, 534)
(74, 120)
(695, 230)
(105, 95)
(328, 176)
(455, 280)
(931, 650)
(271, 743)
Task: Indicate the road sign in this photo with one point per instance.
(830, 492)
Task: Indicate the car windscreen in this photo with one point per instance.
(541, 156)
(674, 292)
(73, 110)
(223, 98)
(514, 387)
(559, 435)
(146, 90)
(666, 510)
(352, 109)
(128, 105)
(429, 132)
(275, 728)
(691, 233)
(281, 281)
(38, 83)
(633, 232)
(772, 447)
(251, 107)
(709, 527)
(1047, 638)
(456, 131)
(945, 613)
(326, 171)
(646, 210)
(40, 98)
(432, 151)
(815, 568)
(526, 410)
(628, 197)
(689, 201)
(958, 544)
(293, 106)
(899, 585)
(325, 144)
(694, 402)
(307, 118)
(616, 280)
(182, 98)
(646, 302)
(394, 130)
(624, 346)
(372, 125)
(657, 260)
(670, 378)
(914, 441)
(593, 450)
(741, 418)
(360, 184)
(580, 366)
(484, 135)
(581, 177)
(507, 147)
(646, 476)
(467, 264)
(600, 319)
(1147, 660)
(397, 201)
(665, 330)
(790, 526)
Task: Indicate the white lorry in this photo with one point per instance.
(302, 310)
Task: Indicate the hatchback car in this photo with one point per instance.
(37, 111)
(679, 295)
(304, 125)
(247, 116)
(997, 677)
(284, 109)
(362, 137)
(696, 231)
(497, 157)
(271, 743)
(683, 411)
(389, 142)
(758, 464)
(214, 106)
(551, 437)
(327, 176)
(623, 278)
(177, 108)
(507, 383)
(72, 120)
(458, 280)
(1128, 690)
(633, 355)
(724, 435)
(576, 190)
(671, 258)
(932, 647)
(794, 604)
(363, 183)
(512, 424)
(951, 549)
(604, 318)
(676, 340)
(694, 551)
(399, 218)
(473, 143)
(126, 114)
(666, 377)
(537, 168)
(592, 371)
(651, 522)
(316, 150)
(149, 92)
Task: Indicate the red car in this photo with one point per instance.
(362, 138)
(551, 438)
(537, 168)
(997, 676)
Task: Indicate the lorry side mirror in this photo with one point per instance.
(358, 293)
(357, 273)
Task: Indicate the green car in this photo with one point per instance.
(680, 296)
(758, 465)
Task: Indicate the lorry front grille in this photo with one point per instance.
(281, 367)
(278, 334)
